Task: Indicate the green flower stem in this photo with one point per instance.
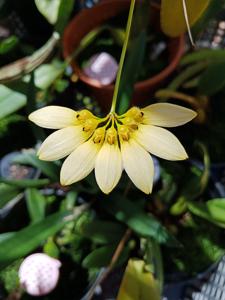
(122, 58)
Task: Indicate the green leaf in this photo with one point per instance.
(36, 204)
(212, 210)
(10, 101)
(25, 183)
(213, 79)
(129, 77)
(99, 231)
(46, 74)
(65, 10)
(6, 235)
(8, 44)
(203, 55)
(99, 258)
(102, 256)
(49, 9)
(7, 193)
(138, 220)
(29, 238)
(29, 157)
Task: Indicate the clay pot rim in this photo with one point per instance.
(162, 75)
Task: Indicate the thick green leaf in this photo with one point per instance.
(134, 62)
(36, 204)
(46, 74)
(6, 235)
(100, 257)
(29, 157)
(8, 44)
(213, 79)
(203, 55)
(25, 183)
(65, 10)
(138, 220)
(99, 231)
(10, 101)
(49, 9)
(212, 210)
(7, 193)
(29, 238)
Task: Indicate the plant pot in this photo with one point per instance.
(91, 18)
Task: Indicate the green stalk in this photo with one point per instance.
(122, 57)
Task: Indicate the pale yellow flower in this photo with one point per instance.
(112, 144)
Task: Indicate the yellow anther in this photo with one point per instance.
(124, 132)
(84, 114)
(90, 124)
(131, 123)
(99, 135)
(135, 113)
(111, 136)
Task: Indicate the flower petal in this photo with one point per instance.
(138, 165)
(160, 142)
(54, 117)
(108, 167)
(79, 163)
(61, 143)
(167, 115)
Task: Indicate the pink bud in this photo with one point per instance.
(102, 67)
(39, 274)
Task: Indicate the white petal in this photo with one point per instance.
(138, 165)
(108, 167)
(79, 163)
(54, 117)
(160, 142)
(167, 115)
(61, 143)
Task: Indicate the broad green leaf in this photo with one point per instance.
(10, 101)
(137, 219)
(29, 238)
(211, 212)
(128, 79)
(6, 235)
(99, 231)
(172, 15)
(138, 283)
(216, 208)
(64, 12)
(207, 55)
(49, 9)
(213, 79)
(29, 157)
(36, 204)
(8, 44)
(25, 183)
(102, 256)
(7, 193)
(99, 258)
(46, 74)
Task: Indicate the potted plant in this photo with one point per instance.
(90, 19)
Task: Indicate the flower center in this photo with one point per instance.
(112, 129)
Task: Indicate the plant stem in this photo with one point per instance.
(122, 57)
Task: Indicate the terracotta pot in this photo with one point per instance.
(89, 19)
